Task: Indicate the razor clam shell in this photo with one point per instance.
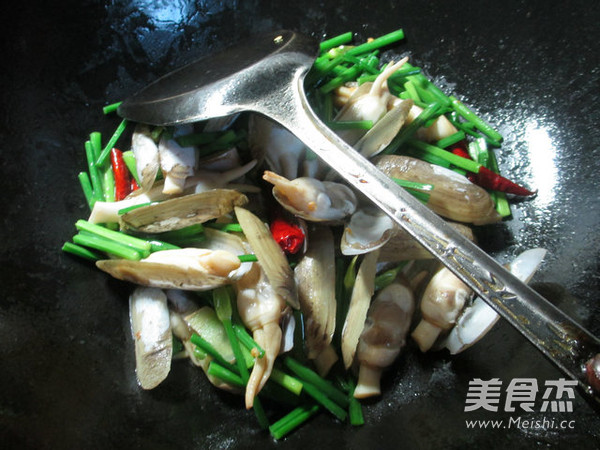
(363, 290)
(163, 275)
(401, 246)
(315, 278)
(453, 195)
(183, 211)
(151, 331)
(270, 256)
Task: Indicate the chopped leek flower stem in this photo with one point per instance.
(130, 162)
(140, 245)
(325, 401)
(248, 342)
(111, 143)
(386, 278)
(381, 41)
(234, 227)
(287, 381)
(217, 370)
(336, 41)
(106, 245)
(355, 408)
(185, 232)
(458, 161)
(451, 140)
(111, 108)
(108, 185)
(86, 187)
(292, 420)
(96, 141)
(431, 112)
(94, 172)
(413, 184)
(308, 375)
(157, 246)
(210, 350)
(80, 251)
(247, 258)
(351, 125)
(132, 207)
(479, 123)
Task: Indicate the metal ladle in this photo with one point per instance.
(266, 75)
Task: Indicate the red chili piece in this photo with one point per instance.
(121, 173)
(491, 180)
(290, 237)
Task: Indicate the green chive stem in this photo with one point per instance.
(107, 245)
(86, 187)
(108, 185)
(287, 381)
(210, 350)
(217, 370)
(336, 41)
(248, 342)
(129, 159)
(451, 140)
(464, 163)
(111, 108)
(247, 258)
(93, 171)
(375, 44)
(479, 123)
(351, 125)
(308, 375)
(111, 143)
(137, 244)
(80, 251)
(325, 401)
(292, 420)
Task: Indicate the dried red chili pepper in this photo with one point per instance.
(490, 180)
(290, 237)
(121, 173)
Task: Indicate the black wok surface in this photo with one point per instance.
(66, 356)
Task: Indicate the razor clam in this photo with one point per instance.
(176, 162)
(369, 102)
(363, 290)
(270, 256)
(181, 212)
(478, 318)
(231, 242)
(453, 196)
(192, 269)
(311, 199)
(444, 298)
(145, 151)
(151, 331)
(108, 212)
(384, 335)
(260, 308)
(315, 278)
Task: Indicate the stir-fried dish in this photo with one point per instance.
(252, 260)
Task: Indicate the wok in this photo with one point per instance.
(67, 365)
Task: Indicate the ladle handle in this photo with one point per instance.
(557, 336)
